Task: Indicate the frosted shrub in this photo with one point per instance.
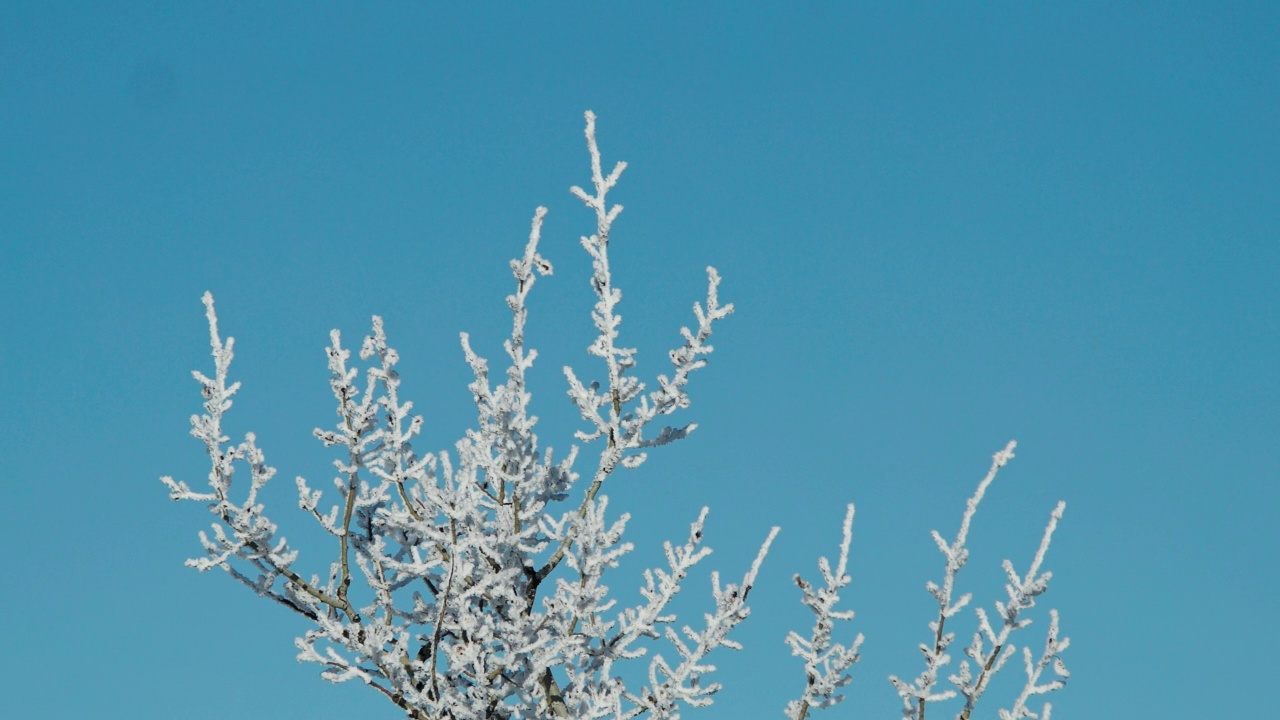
(483, 582)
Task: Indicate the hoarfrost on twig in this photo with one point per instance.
(464, 611)
(470, 583)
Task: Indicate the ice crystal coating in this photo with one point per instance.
(483, 592)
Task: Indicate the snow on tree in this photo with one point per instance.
(485, 583)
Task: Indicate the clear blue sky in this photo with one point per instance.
(942, 229)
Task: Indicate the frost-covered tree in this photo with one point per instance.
(483, 588)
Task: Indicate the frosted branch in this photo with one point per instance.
(466, 583)
(826, 663)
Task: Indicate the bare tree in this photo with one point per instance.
(483, 590)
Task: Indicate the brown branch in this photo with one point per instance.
(551, 691)
(983, 677)
(353, 483)
(608, 462)
(435, 638)
(937, 648)
(290, 575)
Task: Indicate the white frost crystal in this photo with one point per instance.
(483, 592)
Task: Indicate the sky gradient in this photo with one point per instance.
(941, 229)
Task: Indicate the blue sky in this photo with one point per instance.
(942, 228)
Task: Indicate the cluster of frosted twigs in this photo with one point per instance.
(482, 588)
